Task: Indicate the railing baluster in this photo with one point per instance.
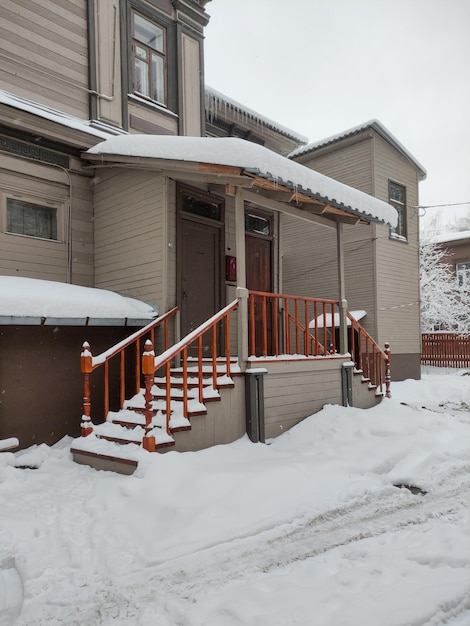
(276, 325)
(168, 396)
(333, 328)
(122, 378)
(214, 357)
(227, 345)
(296, 318)
(185, 382)
(200, 371)
(252, 324)
(137, 365)
(264, 325)
(106, 389)
(287, 323)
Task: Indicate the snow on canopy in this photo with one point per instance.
(34, 298)
(255, 159)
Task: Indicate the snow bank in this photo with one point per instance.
(307, 530)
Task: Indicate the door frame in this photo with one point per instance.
(182, 215)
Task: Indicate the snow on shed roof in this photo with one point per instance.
(449, 237)
(56, 116)
(375, 125)
(217, 103)
(251, 158)
(33, 301)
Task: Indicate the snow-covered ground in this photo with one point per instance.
(309, 530)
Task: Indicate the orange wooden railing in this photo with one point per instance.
(210, 331)
(292, 325)
(368, 357)
(280, 324)
(89, 363)
(445, 350)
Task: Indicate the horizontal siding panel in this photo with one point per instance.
(45, 52)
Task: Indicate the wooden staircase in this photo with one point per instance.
(178, 389)
(171, 397)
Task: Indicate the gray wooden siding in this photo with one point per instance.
(310, 265)
(351, 164)
(36, 258)
(293, 390)
(398, 262)
(43, 46)
(129, 233)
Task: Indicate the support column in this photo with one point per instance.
(242, 293)
(343, 303)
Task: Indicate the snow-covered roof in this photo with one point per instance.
(319, 322)
(32, 301)
(375, 125)
(450, 237)
(253, 159)
(218, 103)
(53, 115)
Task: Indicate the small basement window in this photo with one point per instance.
(33, 220)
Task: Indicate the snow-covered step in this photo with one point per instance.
(195, 407)
(176, 381)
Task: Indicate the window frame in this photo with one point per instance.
(150, 52)
(400, 232)
(41, 202)
(462, 270)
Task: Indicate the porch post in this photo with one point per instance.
(343, 303)
(242, 293)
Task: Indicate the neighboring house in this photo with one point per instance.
(456, 248)
(111, 177)
(381, 262)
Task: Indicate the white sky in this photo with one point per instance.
(323, 66)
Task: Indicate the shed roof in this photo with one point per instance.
(218, 103)
(371, 124)
(230, 155)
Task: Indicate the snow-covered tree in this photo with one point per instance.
(444, 305)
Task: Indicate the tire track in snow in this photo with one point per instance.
(214, 567)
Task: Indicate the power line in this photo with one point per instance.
(435, 206)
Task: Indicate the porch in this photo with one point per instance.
(174, 400)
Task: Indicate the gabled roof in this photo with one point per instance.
(375, 125)
(217, 104)
(265, 169)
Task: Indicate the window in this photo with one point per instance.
(463, 275)
(397, 198)
(149, 58)
(34, 220)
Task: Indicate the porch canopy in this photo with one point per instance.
(240, 163)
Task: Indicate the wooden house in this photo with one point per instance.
(119, 172)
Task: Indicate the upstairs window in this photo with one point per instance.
(33, 220)
(149, 49)
(463, 275)
(397, 198)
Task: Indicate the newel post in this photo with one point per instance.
(148, 370)
(86, 364)
(388, 374)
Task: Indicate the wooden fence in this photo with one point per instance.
(445, 350)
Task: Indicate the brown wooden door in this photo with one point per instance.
(200, 274)
(259, 277)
